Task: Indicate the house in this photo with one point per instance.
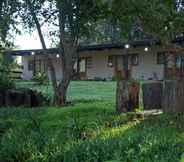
(137, 60)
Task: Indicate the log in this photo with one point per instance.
(173, 96)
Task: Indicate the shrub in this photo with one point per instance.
(41, 78)
(6, 82)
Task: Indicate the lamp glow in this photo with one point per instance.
(32, 53)
(127, 46)
(57, 56)
(146, 49)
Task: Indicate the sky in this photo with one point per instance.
(27, 41)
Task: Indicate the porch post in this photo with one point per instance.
(78, 69)
(125, 67)
(34, 65)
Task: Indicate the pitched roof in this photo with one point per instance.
(134, 44)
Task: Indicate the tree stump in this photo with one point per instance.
(122, 96)
(152, 95)
(14, 98)
(173, 96)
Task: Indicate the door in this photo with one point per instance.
(82, 71)
(121, 67)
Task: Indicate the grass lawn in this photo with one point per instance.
(80, 90)
(88, 131)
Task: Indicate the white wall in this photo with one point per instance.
(144, 70)
(26, 74)
(99, 67)
(147, 67)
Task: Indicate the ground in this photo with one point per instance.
(88, 131)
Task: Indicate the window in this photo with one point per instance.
(134, 60)
(110, 61)
(160, 58)
(89, 62)
(82, 66)
(31, 65)
(38, 65)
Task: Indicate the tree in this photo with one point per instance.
(72, 20)
(162, 20)
(166, 15)
(8, 11)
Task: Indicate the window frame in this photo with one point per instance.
(132, 58)
(161, 58)
(89, 62)
(30, 65)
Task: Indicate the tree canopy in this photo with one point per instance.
(162, 19)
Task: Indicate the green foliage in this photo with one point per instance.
(89, 131)
(96, 135)
(166, 15)
(41, 78)
(5, 80)
(8, 20)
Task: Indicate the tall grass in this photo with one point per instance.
(89, 131)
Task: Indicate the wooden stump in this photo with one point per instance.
(21, 97)
(173, 96)
(122, 96)
(14, 98)
(152, 95)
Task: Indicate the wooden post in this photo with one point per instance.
(173, 96)
(34, 65)
(78, 69)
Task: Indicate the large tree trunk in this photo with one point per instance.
(122, 96)
(60, 95)
(127, 98)
(68, 61)
(68, 56)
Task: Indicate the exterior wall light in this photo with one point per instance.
(57, 56)
(32, 53)
(146, 49)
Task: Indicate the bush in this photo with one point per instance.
(6, 82)
(41, 78)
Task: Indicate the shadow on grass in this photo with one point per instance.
(152, 140)
(91, 133)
